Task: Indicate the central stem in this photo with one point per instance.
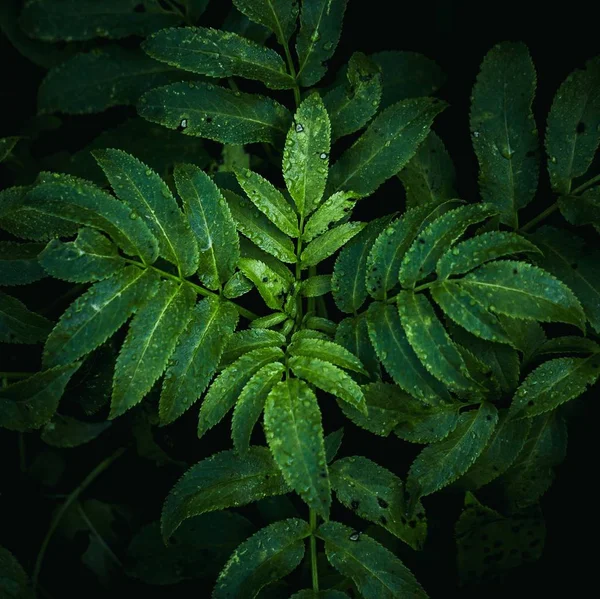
(313, 551)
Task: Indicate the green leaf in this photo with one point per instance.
(572, 134)
(259, 229)
(441, 463)
(407, 75)
(19, 263)
(523, 291)
(239, 23)
(249, 249)
(64, 431)
(554, 383)
(82, 203)
(306, 154)
(20, 325)
(227, 387)
(469, 254)
(329, 378)
(194, 9)
(237, 286)
(582, 210)
(211, 222)
(318, 323)
(97, 314)
(219, 54)
(332, 210)
(489, 543)
(244, 341)
(316, 286)
(505, 136)
(505, 445)
(567, 344)
(376, 494)
(532, 473)
(458, 304)
(429, 176)
(333, 442)
(214, 112)
(352, 104)
(224, 480)
(251, 402)
(32, 402)
(399, 358)
(567, 258)
(268, 283)
(7, 145)
(384, 404)
(326, 350)
(418, 422)
(525, 335)
(196, 356)
(433, 241)
(29, 221)
(353, 334)
(270, 201)
(350, 269)
(268, 321)
(294, 432)
(151, 339)
(310, 594)
(69, 20)
(14, 582)
(216, 534)
(94, 81)
(330, 242)
(375, 570)
(148, 195)
(432, 344)
(90, 257)
(270, 554)
(386, 146)
(277, 15)
(320, 30)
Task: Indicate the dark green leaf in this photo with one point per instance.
(20, 325)
(583, 209)
(19, 263)
(295, 435)
(227, 387)
(52, 20)
(333, 210)
(375, 570)
(30, 403)
(218, 53)
(554, 383)
(441, 463)
(326, 350)
(14, 582)
(352, 104)
(7, 145)
(504, 132)
(97, 314)
(523, 291)
(417, 422)
(277, 15)
(148, 195)
(433, 241)
(244, 341)
(268, 283)
(320, 29)
(214, 112)
(237, 286)
(567, 257)
(572, 134)
(333, 442)
(407, 75)
(568, 344)
(330, 242)
(376, 494)
(398, 357)
(151, 339)
(429, 176)
(64, 431)
(94, 81)
(316, 286)
(224, 480)
(353, 334)
(196, 356)
(90, 257)
(386, 146)
(270, 554)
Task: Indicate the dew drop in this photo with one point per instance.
(183, 123)
(328, 46)
(355, 536)
(323, 155)
(299, 128)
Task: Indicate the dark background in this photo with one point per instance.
(561, 37)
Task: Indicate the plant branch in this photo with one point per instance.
(313, 551)
(87, 481)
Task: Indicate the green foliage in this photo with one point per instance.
(167, 270)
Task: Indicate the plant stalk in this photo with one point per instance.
(313, 551)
